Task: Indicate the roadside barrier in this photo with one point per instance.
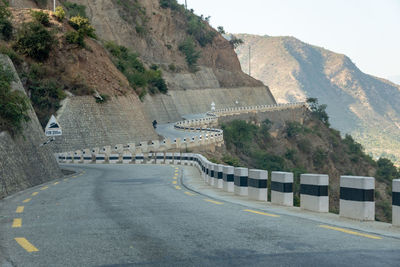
(314, 192)
(357, 197)
(258, 180)
(396, 202)
(282, 188)
(241, 181)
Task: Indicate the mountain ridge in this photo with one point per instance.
(358, 103)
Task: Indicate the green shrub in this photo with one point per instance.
(239, 133)
(266, 161)
(221, 30)
(197, 28)
(82, 25)
(319, 158)
(74, 10)
(34, 40)
(14, 105)
(6, 28)
(172, 67)
(304, 145)
(236, 42)
(386, 171)
(232, 161)
(60, 13)
(290, 154)
(74, 37)
(172, 4)
(134, 70)
(293, 129)
(15, 57)
(188, 48)
(41, 17)
(318, 111)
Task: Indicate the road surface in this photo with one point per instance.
(125, 215)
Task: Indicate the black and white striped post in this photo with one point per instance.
(357, 197)
(218, 175)
(139, 158)
(127, 157)
(113, 158)
(258, 180)
(396, 202)
(241, 181)
(160, 158)
(177, 158)
(314, 192)
(169, 158)
(228, 179)
(282, 188)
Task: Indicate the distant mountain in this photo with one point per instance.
(368, 107)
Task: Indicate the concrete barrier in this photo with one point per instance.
(78, 156)
(185, 158)
(228, 177)
(70, 157)
(241, 181)
(114, 158)
(177, 158)
(87, 156)
(282, 188)
(100, 158)
(258, 180)
(357, 197)
(169, 158)
(314, 192)
(208, 172)
(143, 147)
(127, 158)
(218, 176)
(139, 158)
(396, 202)
(212, 176)
(151, 158)
(160, 158)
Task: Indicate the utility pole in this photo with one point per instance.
(186, 4)
(54, 8)
(249, 60)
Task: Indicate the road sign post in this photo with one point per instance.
(53, 127)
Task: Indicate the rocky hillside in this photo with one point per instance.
(298, 141)
(363, 105)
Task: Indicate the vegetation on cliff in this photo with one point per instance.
(141, 79)
(14, 105)
(311, 147)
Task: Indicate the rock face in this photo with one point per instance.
(363, 105)
(23, 163)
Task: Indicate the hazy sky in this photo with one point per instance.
(368, 31)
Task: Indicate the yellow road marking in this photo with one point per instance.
(44, 188)
(262, 213)
(56, 183)
(35, 193)
(27, 200)
(20, 209)
(66, 179)
(74, 176)
(25, 244)
(175, 178)
(178, 187)
(17, 223)
(189, 194)
(174, 182)
(213, 201)
(349, 232)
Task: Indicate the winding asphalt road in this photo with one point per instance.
(124, 215)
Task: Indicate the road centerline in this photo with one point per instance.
(20, 209)
(213, 201)
(25, 244)
(27, 200)
(350, 232)
(17, 223)
(261, 213)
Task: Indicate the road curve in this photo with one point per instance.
(124, 215)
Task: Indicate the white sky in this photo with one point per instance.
(368, 31)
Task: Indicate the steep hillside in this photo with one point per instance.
(363, 105)
(23, 163)
(297, 141)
